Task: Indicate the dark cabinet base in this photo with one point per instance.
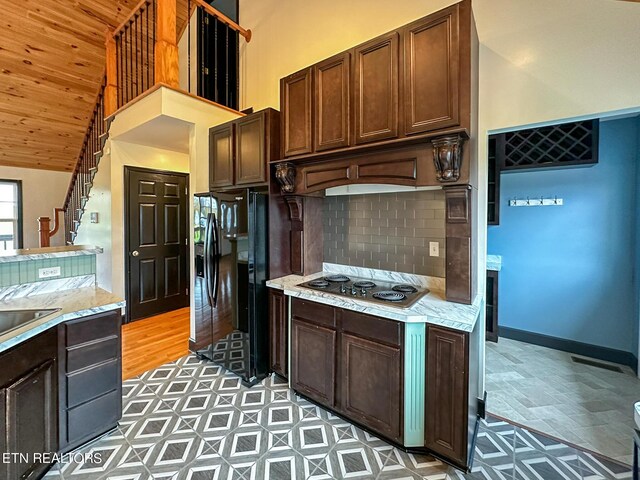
(29, 405)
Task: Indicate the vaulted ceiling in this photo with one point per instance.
(51, 66)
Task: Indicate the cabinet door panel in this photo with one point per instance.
(221, 160)
(372, 385)
(251, 166)
(376, 89)
(30, 419)
(278, 332)
(331, 107)
(295, 95)
(446, 398)
(313, 366)
(432, 70)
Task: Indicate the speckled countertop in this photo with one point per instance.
(47, 252)
(72, 303)
(432, 308)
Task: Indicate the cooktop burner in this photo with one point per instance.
(389, 296)
(368, 290)
(404, 288)
(337, 278)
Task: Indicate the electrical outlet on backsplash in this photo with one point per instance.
(386, 231)
(29, 271)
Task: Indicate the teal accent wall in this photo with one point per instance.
(17, 273)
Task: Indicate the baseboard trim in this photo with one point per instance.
(594, 351)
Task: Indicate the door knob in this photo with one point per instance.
(135, 253)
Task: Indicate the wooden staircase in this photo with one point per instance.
(142, 52)
(86, 168)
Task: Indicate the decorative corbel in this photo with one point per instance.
(286, 177)
(447, 157)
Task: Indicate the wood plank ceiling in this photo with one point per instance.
(51, 66)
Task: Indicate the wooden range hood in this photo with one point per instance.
(397, 110)
(414, 162)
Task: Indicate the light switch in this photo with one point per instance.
(434, 249)
(94, 217)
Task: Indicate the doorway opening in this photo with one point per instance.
(562, 289)
(156, 242)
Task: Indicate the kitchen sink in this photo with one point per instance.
(12, 319)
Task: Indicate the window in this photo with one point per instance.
(10, 214)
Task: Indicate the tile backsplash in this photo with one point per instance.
(388, 231)
(17, 273)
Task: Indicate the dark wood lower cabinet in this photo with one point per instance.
(29, 406)
(447, 393)
(59, 390)
(90, 378)
(372, 385)
(365, 352)
(313, 370)
(353, 364)
(278, 333)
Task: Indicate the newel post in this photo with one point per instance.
(44, 230)
(166, 49)
(111, 86)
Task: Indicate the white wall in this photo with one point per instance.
(289, 35)
(42, 191)
(177, 121)
(99, 233)
(107, 199)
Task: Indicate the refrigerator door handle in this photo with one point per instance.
(216, 256)
(207, 259)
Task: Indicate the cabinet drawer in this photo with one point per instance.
(314, 312)
(83, 356)
(373, 328)
(94, 417)
(91, 328)
(92, 382)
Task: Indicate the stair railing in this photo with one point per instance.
(86, 167)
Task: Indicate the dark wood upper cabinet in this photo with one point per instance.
(295, 98)
(376, 89)
(278, 332)
(399, 89)
(221, 156)
(331, 106)
(432, 71)
(251, 166)
(447, 394)
(240, 150)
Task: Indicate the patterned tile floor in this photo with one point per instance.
(544, 389)
(194, 421)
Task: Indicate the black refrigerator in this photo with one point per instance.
(231, 262)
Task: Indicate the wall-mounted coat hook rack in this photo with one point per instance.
(536, 202)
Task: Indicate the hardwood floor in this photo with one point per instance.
(154, 341)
